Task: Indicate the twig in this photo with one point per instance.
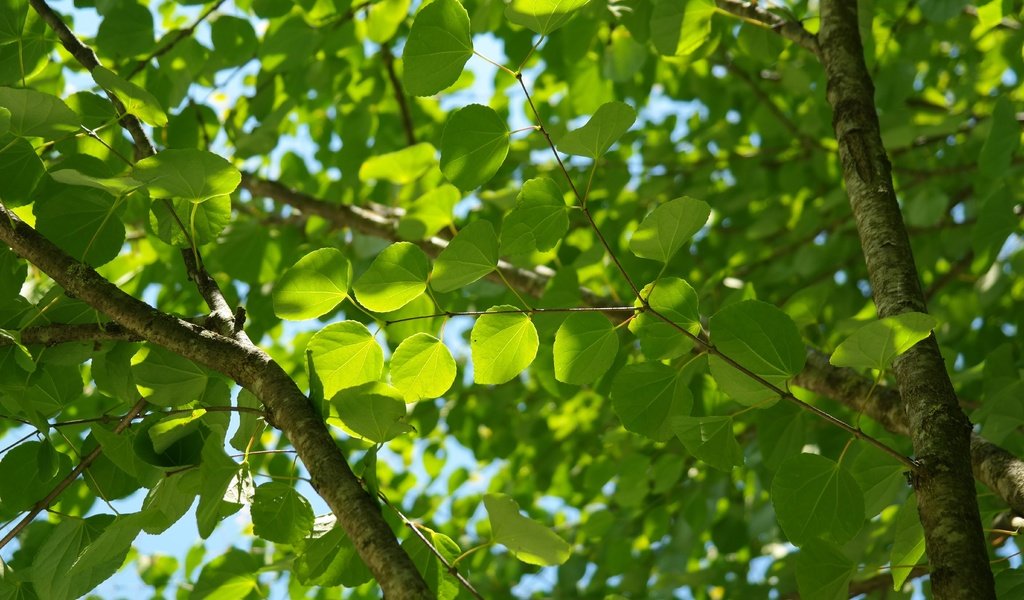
(403, 105)
(791, 30)
(87, 460)
(180, 35)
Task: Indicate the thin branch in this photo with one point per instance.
(179, 35)
(522, 311)
(87, 460)
(791, 30)
(403, 105)
(797, 132)
(252, 368)
(450, 567)
(208, 288)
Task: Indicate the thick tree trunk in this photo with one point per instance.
(938, 428)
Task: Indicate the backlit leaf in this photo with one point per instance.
(400, 167)
(187, 174)
(422, 367)
(137, 101)
(907, 543)
(313, 286)
(680, 27)
(878, 343)
(542, 16)
(538, 221)
(373, 411)
(280, 513)
(35, 114)
(471, 254)
(675, 300)
(396, 277)
(585, 347)
(345, 355)
(474, 144)
(608, 124)
(710, 439)
(668, 228)
(437, 49)
(504, 342)
(526, 539)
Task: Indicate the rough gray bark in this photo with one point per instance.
(939, 430)
(287, 407)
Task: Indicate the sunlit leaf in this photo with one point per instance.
(504, 342)
(345, 355)
(608, 124)
(668, 228)
(538, 221)
(400, 167)
(438, 47)
(313, 286)
(422, 367)
(280, 513)
(907, 543)
(137, 101)
(396, 277)
(585, 347)
(193, 175)
(878, 343)
(474, 144)
(680, 27)
(471, 254)
(542, 16)
(35, 114)
(372, 411)
(526, 539)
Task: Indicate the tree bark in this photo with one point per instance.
(286, 405)
(939, 430)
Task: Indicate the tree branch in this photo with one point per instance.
(87, 460)
(287, 407)
(844, 385)
(939, 430)
(396, 85)
(791, 30)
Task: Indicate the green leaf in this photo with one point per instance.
(136, 100)
(422, 367)
(437, 49)
(84, 223)
(166, 379)
(21, 464)
(710, 439)
(313, 286)
(760, 338)
(400, 167)
(646, 395)
(126, 31)
(5, 121)
(372, 411)
(605, 127)
(20, 170)
(280, 513)
(585, 348)
(526, 539)
(542, 16)
(233, 574)
(668, 228)
(538, 221)
(674, 299)
(35, 114)
(439, 580)
(187, 174)
(345, 355)
(880, 478)
(1002, 141)
(878, 343)
(907, 543)
(823, 571)
(216, 471)
(111, 185)
(234, 39)
(172, 428)
(331, 560)
(817, 497)
(474, 144)
(384, 18)
(57, 556)
(395, 278)
(105, 554)
(503, 342)
(429, 213)
(203, 222)
(471, 254)
(680, 27)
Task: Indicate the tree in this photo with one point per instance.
(651, 295)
